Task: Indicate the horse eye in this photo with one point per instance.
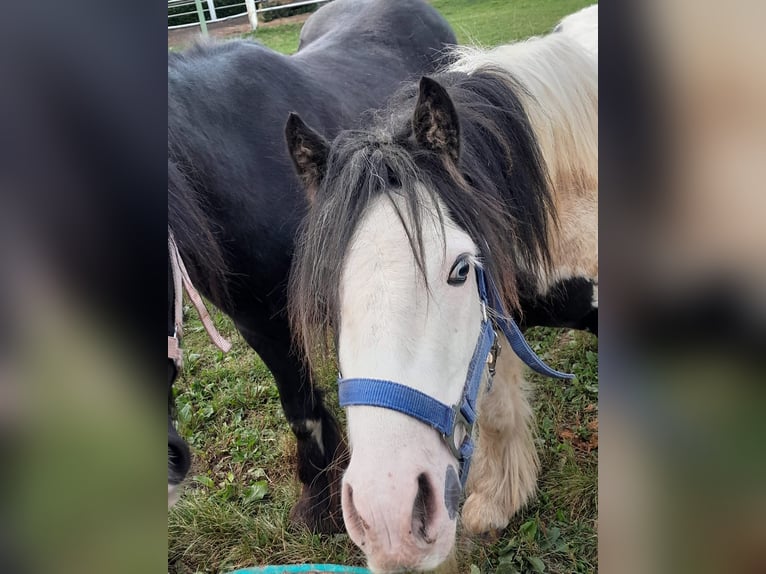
(459, 272)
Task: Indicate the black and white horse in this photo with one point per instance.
(234, 202)
(473, 192)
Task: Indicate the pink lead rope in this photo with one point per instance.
(182, 281)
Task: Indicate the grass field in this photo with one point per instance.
(234, 510)
(483, 22)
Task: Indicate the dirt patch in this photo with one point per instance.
(584, 441)
(180, 38)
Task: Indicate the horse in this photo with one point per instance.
(234, 203)
(474, 191)
(582, 26)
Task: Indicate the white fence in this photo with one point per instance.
(251, 7)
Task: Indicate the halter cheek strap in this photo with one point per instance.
(444, 418)
(512, 332)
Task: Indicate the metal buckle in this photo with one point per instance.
(176, 353)
(459, 420)
(492, 356)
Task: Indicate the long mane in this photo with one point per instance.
(193, 230)
(560, 77)
(500, 194)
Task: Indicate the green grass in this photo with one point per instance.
(483, 22)
(234, 511)
(492, 22)
(280, 38)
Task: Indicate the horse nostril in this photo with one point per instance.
(355, 524)
(423, 509)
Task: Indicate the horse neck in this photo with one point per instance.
(561, 101)
(562, 104)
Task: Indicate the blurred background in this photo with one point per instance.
(682, 142)
(82, 215)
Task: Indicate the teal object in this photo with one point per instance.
(290, 568)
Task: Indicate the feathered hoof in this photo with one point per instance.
(489, 537)
(483, 517)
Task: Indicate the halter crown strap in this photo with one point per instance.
(182, 280)
(512, 332)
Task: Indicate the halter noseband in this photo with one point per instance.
(444, 418)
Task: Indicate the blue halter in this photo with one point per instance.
(444, 418)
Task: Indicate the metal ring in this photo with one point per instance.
(458, 420)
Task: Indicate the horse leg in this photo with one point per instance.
(321, 452)
(504, 470)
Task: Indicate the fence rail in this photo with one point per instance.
(252, 9)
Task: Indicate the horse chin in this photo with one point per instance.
(433, 563)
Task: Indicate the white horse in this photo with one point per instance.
(486, 173)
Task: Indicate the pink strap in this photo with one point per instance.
(181, 278)
(174, 351)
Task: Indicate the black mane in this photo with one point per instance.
(193, 230)
(499, 193)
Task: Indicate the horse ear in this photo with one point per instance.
(309, 152)
(435, 122)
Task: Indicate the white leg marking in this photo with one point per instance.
(315, 427)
